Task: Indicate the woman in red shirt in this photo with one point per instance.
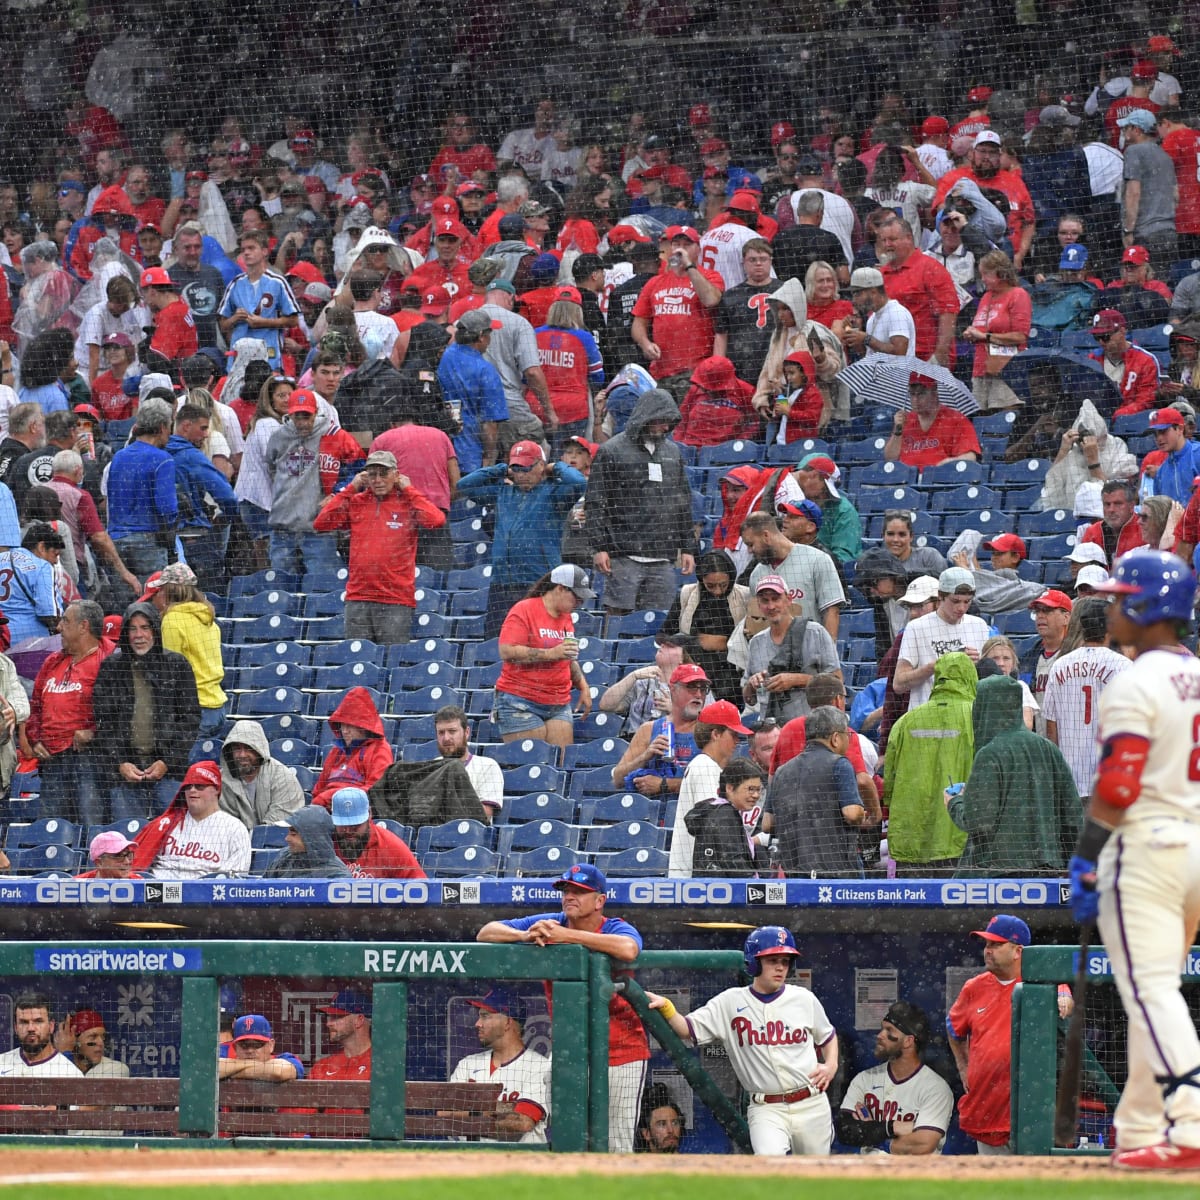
(107, 394)
(570, 360)
(540, 654)
(1000, 331)
(821, 289)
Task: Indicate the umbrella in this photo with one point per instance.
(883, 379)
(1079, 378)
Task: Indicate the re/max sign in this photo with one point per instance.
(416, 962)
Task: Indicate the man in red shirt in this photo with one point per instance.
(1121, 528)
(923, 286)
(931, 433)
(449, 269)
(1141, 83)
(984, 169)
(348, 1026)
(1182, 145)
(673, 315)
(148, 209)
(366, 848)
(461, 150)
(62, 724)
(1132, 369)
(382, 510)
(174, 330)
(977, 120)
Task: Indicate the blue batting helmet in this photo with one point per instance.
(767, 939)
(1153, 586)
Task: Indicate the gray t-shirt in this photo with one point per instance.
(812, 579)
(512, 352)
(820, 658)
(1151, 166)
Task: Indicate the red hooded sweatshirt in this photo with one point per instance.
(111, 200)
(717, 406)
(360, 765)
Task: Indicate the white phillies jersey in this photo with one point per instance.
(721, 251)
(924, 1096)
(1072, 701)
(1158, 698)
(771, 1040)
(194, 848)
(525, 1081)
(13, 1064)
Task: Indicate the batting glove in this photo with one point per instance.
(1085, 902)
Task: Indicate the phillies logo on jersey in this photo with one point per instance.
(758, 304)
(773, 1033)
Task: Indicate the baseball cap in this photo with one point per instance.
(292, 187)
(317, 293)
(569, 293)
(782, 131)
(1140, 117)
(724, 714)
(1074, 257)
(435, 301)
(978, 94)
(449, 227)
(314, 185)
(932, 126)
(118, 339)
(240, 150)
(922, 589)
(108, 842)
(771, 583)
(953, 578)
(700, 115)
(204, 773)
(920, 379)
(303, 400)
(307, 271)
(526, 454)
(1090, 576)
(153, 583)
(865, 277)
(1143, 68)
(1052, 598)
(1108, 320)
(744, 200)
(583, 875)
(688, 673)
(531, 209)
(476, 323)
(986, 137)
(1137, 255)
(618, 235)
(302, 138)
(156, 277)
(683, 231)
(1165, 418)
(1087, 552)
(544, 268)
(1161, 44)
(154, 225)
(825, 467)
(465, 189)
(87, 410)
(1054, 116)
(1006, 542)
(502, 285)
(381, 458)
(802, 508)
(465, 305)
(176, 572)
(350, 806)
(85, 1019)
(252, 1028)
(348, 1000)
(590, 447)
(713, 145)
(446, 206)
(112, 626)
(573, 578)
(75, 185)
(1003, 928)
(654, 141)
(498, 999)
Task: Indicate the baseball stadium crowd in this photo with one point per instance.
(455, 524)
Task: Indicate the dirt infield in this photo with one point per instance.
(148, 1167)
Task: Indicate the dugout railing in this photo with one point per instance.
(398, 1111)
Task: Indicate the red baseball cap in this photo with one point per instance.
(156, 277)
(700, 115)
(977, 95)
(449, 227)
(917, 379)
(1108, 320)
(1161, 44)
(465, 189)
(932, 126)
(302, 137)
(150, 225)
(1052, 599)
(683, 231)
(526, 454)
(782, 131)
(153, 583)
(315, 185)
(618, 235)
(1006, 542)
(590, 447)
(688, 673)
(713, 145)
(1144, 69)
(307, 271)
(1165, 418)
(304, 400)
(435, 301)
(466, 304)
(88, 410)
(85, 1019)
(447, 206)
(569, 293)
(744, 200)
(724, 714)
(1138, 255)
(112, 626)
(205, 773)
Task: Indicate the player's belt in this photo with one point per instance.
(786, 1097)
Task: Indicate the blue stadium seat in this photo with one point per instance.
(481, 677)
(601, 675)
(1180, 270)
(325, 581)
(424, 701)
(470, 579)
(587, 624)
(1020, 621)
(274, 628)
(880, 499)
(431, 625)
(1022, 499)
(597, 753)
(268, 837)
(265, 603)
(468, 529)
(596, 782)
(639, 861)
(884, 474)
(263, 654)
(525, 753)
(728, 454)
(415, 729)
(467, 629)
(988, 521)
(478, 704)
(285, 725)
(352, 650)
(598, 725)
(427, 577)
(857, 624)
(995, 424)
(968, 498)
(1056, 520)
(1056, 546)
(469, 603)
(862, 453)
(403, 832)
(530, 834)
(605, 839)
(636, 624)
(598, 649)
(635, 651)
(621, 808)
(348, 675)
(482, 653)
(452, 834)
(952, 474)
(49, 831)
(116, 432)
(544, 860)
(537, 806)
(325, 629)
(277, 674)
(1023, 643)
(535, 777)
(129, 827)
(465, 862)
(46, 857)
(1027, 471)
(263, 581)
(1057, 574)
(324, 604)
(431, 601)
(307, 778)
(1044, 339)
(273, 700)
(260, 860)
(325, 702)
(471, 554)
(292, 752)
(424, 649)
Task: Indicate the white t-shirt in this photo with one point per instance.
(526, 150)
(721, 251)
(924, 1095)
(892, 319)
(562, 166)
(194, 848)
(109, 1068)
(700, 783)
(525, 1081)
(934, 159)
(385, 326)
(487, 779)
(98, 323)
(927, 638)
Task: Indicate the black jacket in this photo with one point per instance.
(638, 502)
(176, 705)
(721, 845)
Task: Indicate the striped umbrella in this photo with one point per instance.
(883, 379)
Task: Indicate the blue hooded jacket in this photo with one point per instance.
(195, 475)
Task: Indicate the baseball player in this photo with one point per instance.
(253, 1054)
(1137, 863)
(899, 1106)
(780, 1042)
(524, 1074)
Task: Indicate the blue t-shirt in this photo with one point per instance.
(223, 1052)
(141, 491)
(468, 380)
(53, 396)
(26, 591)
(269, 297)
(666, 768)
(612, 925)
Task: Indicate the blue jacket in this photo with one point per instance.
(529, 524)
(470, 381)
(1174, 476)
(195, 474)
(141, 491)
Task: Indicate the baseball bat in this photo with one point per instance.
(1066, 1106)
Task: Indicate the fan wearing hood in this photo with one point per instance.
(256, 788)
(112, 217)
(360, 753)
(1020, 807)
(717, 406)
(1087, 451)
(309, 853)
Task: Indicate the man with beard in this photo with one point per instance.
(661, 1124)
(200, 286)
(347, 1026)
(366, 848)
(82, 1036)
(450, 728)
(256, 788)
(900, 1106)
(35, 1053)
(523, 1074)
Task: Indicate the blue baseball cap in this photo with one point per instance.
(583, 875)
(348, 1001)
(1003, 928)
(71, 185)
(502, 1000)
(252, 1028)
(1073, 258)
(1145, 120)
(806, 508)
(350, 806)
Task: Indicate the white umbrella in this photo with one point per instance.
(883, 379)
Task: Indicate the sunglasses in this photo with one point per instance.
(1102, 337)
(699, 688)
(518, 470)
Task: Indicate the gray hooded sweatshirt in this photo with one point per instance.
(294, 465)
(272, 796)
(318, 861)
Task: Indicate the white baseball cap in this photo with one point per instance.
(920, 591)
(1090, 576)
(1087, 552)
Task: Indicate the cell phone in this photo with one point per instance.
(814, 341)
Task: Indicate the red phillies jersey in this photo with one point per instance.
(925, 288)
(468, 159)
(175, 332)
(680, 325)
(1139, 381)
(950, 435)
(432, 274)
(336, 450)
(1121, 108)
(983, 1013)
(568, 358)
(792, 740)
(150, 212)
(340, 1066)
(62, 698)
(1183, 146)
(108, 397)
(971, 126)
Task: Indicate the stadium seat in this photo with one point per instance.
(619, 808)
(528, 835)
(403, 832)
(1044, 339)
(880, 499)
(49, 831)
(260, 860)
(598, 725)
(1028, 470)
(271, 701)
(467, 629)
(276, 627)
(600, 674)
(426, 649)
(277, 674)
(469, 603)
(596, 782)
(325, 629)
(597, 753)
(325, 581)
(482, 654)
(1020, 621)
(884, 474)
(636, 624)
(325, 702)
(995, 424)
(967, 498)
(451, 834)
(606, 839)
(461, 863)
(265, 603)
(587, 625)
(292, 752)
(45, 857)
(1055, 520)
(416, 729)
(1022, 499)
(599, 649)
(537, 806)
(427, 577)
(525, 753)
(431, 625)
(306, 777)
(116, 432)
(128, 827)
(635, 651)
(636, 862)
(471, 554)
(481, 677)
(729, 454)
(263, 581)
(988, 521)
(472, 578)
(268, 837)
(869, 450)
(543, 860)
(348, 675)
(285, 725)
(857, 624)
(1056, 546)
(352, 650)
(952, 474)
(324, 604)
(423, 701)
(536, 777)
(264, 654)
